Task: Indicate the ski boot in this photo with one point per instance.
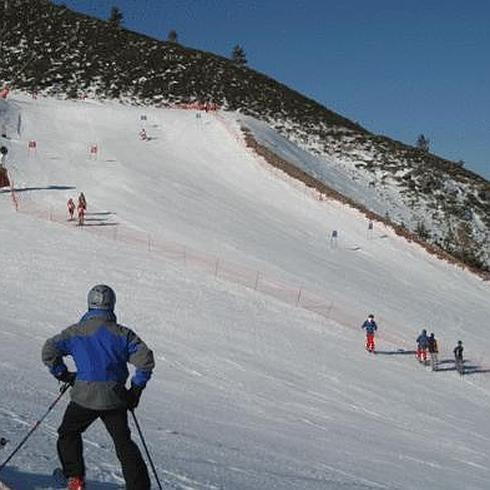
(76, 483)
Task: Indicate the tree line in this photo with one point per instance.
(116, 18)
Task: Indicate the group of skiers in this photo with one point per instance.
(429, 344)
(101, 348)
(81, 208)
(425, 344)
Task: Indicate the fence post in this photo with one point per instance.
(93, 151)
(216, 269)
(370, 230)
(185, 256)
(298, 299)
(149, 243)
(12, 192)
(31, 147)
(257, 281)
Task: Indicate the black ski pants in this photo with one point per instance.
(70, 448)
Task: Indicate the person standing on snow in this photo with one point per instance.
(3, 155)
(422, 346)
(143, 135)
(458, 357)
(4, 179)
(81, 214)
(82, 201)
(71, 207)
(433, 351)
(101, 349)
(370, 326)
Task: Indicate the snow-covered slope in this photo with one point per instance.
(443, 206)
(51, 50)
(250, 391)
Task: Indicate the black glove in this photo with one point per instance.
(67, 377)
(133, 396)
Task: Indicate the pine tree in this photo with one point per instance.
(116, 17)
(422, 231)
(423, 143)
(238, 56)
(172, 36)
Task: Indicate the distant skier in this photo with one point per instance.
(458, 357)
(422, 346)
(82, 201)
(370, 326)
(3, 155)
(81, 214)
(143, 135)
(71, 207)
(433, 351)
(4, 92)
(4, 178)
(101, 349)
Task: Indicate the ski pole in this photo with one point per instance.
(146, 449)
(63, 390)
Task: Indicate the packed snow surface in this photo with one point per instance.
(252, 389)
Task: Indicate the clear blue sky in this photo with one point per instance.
(398, 67)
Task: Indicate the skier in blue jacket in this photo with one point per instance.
(422, 346)
(458, 357)
(370, 326)
(101, 349)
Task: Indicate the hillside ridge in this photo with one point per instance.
(50, 49)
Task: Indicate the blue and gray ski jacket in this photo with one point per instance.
(423, 341)
(370, 327)
(101, 349)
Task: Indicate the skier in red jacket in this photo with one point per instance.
(81, 214)
(71, 208)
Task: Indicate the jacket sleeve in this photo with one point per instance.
(54, 350)
(141, 357)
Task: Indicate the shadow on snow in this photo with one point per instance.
(48, 188)
(443, 365)
(398, 352)
(97, 224)
(468, 368)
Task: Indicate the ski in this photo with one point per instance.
(59, 478)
